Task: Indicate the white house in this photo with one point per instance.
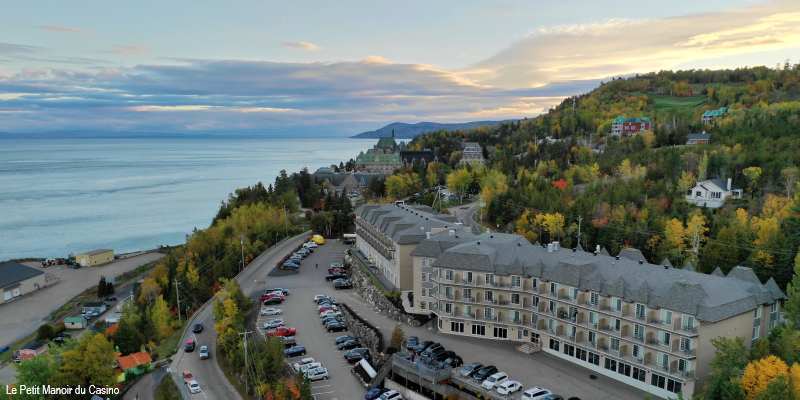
(713, 192)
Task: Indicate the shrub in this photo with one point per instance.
(45, 332)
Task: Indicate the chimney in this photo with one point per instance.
(392, 133)
(729, 184)
(428, 234)
(452, 232)
(550, 248)
(479, 242)
(555, 245)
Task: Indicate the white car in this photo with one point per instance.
(305, 361)
(274, 323)
(271, 311)
(312, 245)
(333, 306)
(317, 374)
(391, 395)
(508, 387)
(310, 366)
(535, 393)
(494, 380)
(330, 313)
(318, 297)
(194, 387)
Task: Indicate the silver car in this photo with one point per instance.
(317, 374)
(274, 323)
(203, 352)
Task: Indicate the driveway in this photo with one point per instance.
(145, 388)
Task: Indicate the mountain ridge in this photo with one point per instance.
(410, 131)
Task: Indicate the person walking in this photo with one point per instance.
(316, 265)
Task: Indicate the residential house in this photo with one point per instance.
(710, 116)
(32, 350)
(75, 322)
(696, 139)
(713, 192)
(644, 325)
(132, 365)
(471, 153)
(624, 127)
(94, 306)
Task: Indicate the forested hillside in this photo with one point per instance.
(630, 192)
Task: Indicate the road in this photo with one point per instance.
(464, 212)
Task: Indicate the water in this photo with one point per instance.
(132, 194)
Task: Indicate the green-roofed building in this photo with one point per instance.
(383, 158)
(625, 127)
(711, 115)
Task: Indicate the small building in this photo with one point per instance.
(32, 350)
(710, 116)
(95, 257)
(113, 318)
(696, 139)
(471, 153)
(75, 322)
(17, 280)
(94, 306)
(133, 364)
(625, 127)
(713, 192)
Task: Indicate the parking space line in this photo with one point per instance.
(316, 394)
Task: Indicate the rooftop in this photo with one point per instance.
(96, 252)
(134, 359)
(720, 183)
(13, 272)
(702, 136)
(711, 298)
(404, 224)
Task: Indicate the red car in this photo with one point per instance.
(272, 294)
(281, 331)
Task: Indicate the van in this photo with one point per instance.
(349, 238)
(318, 239)
(400, 202)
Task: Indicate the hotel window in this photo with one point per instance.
(448, 308)
(553, 325)
(534, 319)
(534, 301)
(448, 292)
(674, 386)
(658, 381)
(423, 292)
(430, 262)
(488, 313)
(637, 352)
(616, 304)
(773, 308)
(641, 311)
(553, 306)
(684, 365)
(466, 293)
(616, 324)
(468, 310)
(448, 274)
(613, 344)
(515, 316)
(488, 295)
(664, 338)
(468, 277)
(535, 284)
(554, 344)
(501, 333)
(479, 330)
(457, 327)
(430, 276)
(639, 374)
(624, 369)
(687, 322)
(686, 344)
(594, 359)
(516, 281)
(611, 364)
(430, 305)
(593, 318)
(571, 331)
(553, 288)
(662, 360)
(514, 298)
(638, 331)
(423, 261)
(422, 305)
(573, 293)
(758, 312)
(594, 299)
(489, 279)
(756, 332)
(424, 275)
(666, 317)
(592, 337)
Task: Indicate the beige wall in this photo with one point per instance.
(96, 259)
(405, 266)
(740, 325)
(27, 286)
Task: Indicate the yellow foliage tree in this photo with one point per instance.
(526, 226)
(553, 223)
(162, 318)
(696, 231)
(674, 234)
(686, 182)
(625, 170)
(758, 374)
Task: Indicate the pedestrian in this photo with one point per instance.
(316, 265)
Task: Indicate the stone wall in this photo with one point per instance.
(368, 335)
(366, 289)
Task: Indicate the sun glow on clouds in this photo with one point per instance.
(300, 46)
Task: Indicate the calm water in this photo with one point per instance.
(132, 194)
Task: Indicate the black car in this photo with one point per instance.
(289, 342)
(356, 357)
(326, 320)
(331, 277)
(64, 334)
(411, 342)
(190, 345)
(350, 344)
(469, 370)
(328, 302)
(422, 346)
(336, 327)
(356, 350)
(198, 327)
(295, 351)
(444, 355)
(343, 285)
(453, 361)
(111, 298)
(342, 339)
(273, 300)
(58, 340)
(484, 373)
(427, 352)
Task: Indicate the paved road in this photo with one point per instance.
(145, 388)
(464, 212)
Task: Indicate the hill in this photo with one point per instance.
(410, 131)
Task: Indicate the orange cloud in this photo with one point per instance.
(300, 46)
(57, 28)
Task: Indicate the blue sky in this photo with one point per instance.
(339, 68)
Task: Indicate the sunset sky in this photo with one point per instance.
(339, 68)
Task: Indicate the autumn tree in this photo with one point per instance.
(397, 185)
(161, 317)
(686, 182)
(526, 226)
(758, 374)
(695, 232)
(789, 178)
(92, 361)
(398, 337)
(459, 180)
(702, 169)
(752, 174)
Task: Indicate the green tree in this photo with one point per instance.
(791, 307)
(781, 388)
(45, 332)
(161, 318)
(127, 337)
(305, 388)
(730, 355)
(458, 181)
(92, 361)
(752, 174)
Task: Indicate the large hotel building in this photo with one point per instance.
(644, 325)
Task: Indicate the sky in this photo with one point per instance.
(320, 68)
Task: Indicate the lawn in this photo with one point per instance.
(166, 348)
(662, 101)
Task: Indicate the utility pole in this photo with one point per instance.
(246, 366)
(179, 301)
(573, 105)
(579, 230)
(286, 220)
(241, 240)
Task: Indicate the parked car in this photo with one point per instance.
(318, 374)
(289, 264)
(411, 342)
(553, 397)
(269, 295)
(310, 366)
(536, 393)
(329, 319)
(272, 300)
(427, 352)
(289, 342)
(281, 331)
(190, 345)
(320, 297)
(508, 387)
(336, 271)
(296, 260)
(284, 291)
(187, 376)
(423, 346)
(305, 251)
(374, 394)
(274, 323)
(484, 373)
(295, 351)
(305, 361)
(194, 387)
(356, 350)
(271, 311)
(453, 361)
(441, 355)
(336, 327)
(356, 357)
(64, 334)
(111, 298)
(342, 339)
(391, 395)
(331, 277)
(203, 352)
(310, 245)
(327, 306)
(277, 294)
(198, 327)
(493, 380)
(343, 285)
(350, 344)
(58, 340)
(329, 313)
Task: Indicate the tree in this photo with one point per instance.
(702, 169)
(686, 182)
(92, 361)
(101, 287)
(791, 308)
(648, 137)
(45, 332)
(758, 374)
(761, 350)
(789, 178)
(780, 388)
(38, 370)
(305, 388)
(752, 174)
(459, 180)
(161, 318)
(674, 236)
(730, 355)
(397, 185)
(149, 291)
(127, 337)
(398, 337)
(695, 232)
(525, 226)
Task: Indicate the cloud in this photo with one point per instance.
(127, 49)
(623, 46)
(56, 28)
(300, 46)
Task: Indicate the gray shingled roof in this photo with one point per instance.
(698, 136)
(710, 297)
(95, 252)
(404, 224)
(13, 272)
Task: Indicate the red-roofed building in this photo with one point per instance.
(133, 364)
(32, 350)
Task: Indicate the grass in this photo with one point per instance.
(166, 347)
(16, 346)
(138, 270)
(168, 390)
(663, 101)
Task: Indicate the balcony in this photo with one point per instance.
(610, 309)
(487, 284)
(531, 289)
(510, 304)
(658, 343)
(488, 318)
(568, 298)
(681, 373)
(468, 283)
(439, 279)
(685, 351)
(638, 338)
(467, 300)
(589, 304)
(688, 328)
(491, 302)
